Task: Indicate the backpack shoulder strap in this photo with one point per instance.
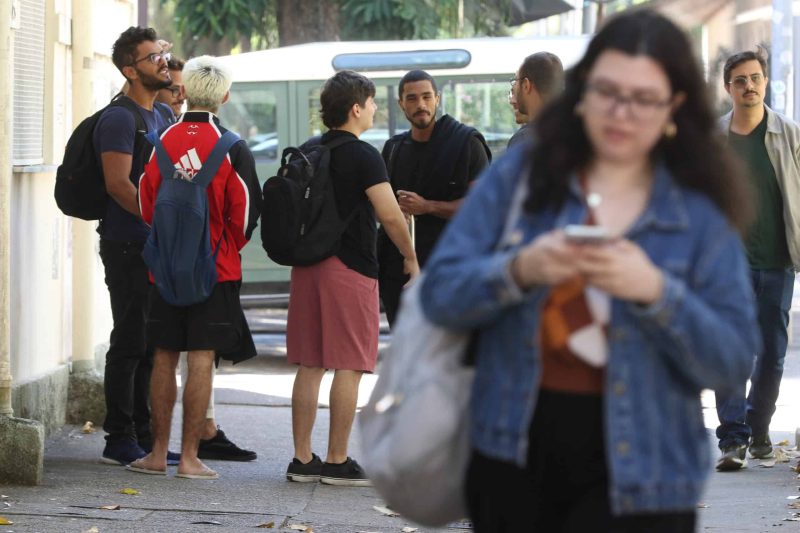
(165, 164)
(339, 141)
(212, 164)
(123, 101)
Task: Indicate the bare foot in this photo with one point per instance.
(149, 464)
(192, 466)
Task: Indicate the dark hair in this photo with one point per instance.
(737, 59)
(416, 75)
(696, 156)
(175, 63)
(124, 50)
(545, 72)
(339, 94)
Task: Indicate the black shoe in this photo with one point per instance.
(220, 448)
(347, 474)
(305, 472)
(734, 457)
(761, 447)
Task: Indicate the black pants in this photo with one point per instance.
(564, 488)
(128, 362)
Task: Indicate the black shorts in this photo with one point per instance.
(216, 324)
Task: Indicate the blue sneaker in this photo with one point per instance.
(121, 452)
(173, 458)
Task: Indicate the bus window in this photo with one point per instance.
(482, 105)
(252, 113)
(380, 131)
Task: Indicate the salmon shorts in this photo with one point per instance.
(333, 317)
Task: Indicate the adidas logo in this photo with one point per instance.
(188, 166)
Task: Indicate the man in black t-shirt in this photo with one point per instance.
(333, 305)
(430, 168)
(768, 144)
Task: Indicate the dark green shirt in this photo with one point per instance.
(766, 238)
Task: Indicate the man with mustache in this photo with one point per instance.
(430, 167)
(119, 142)
(768, 143)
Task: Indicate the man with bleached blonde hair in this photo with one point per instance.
(214, 327)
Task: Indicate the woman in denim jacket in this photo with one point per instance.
(592, 352)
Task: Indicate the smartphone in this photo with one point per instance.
(584, 234)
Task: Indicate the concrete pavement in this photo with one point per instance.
(253, 408)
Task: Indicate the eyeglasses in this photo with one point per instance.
(513, 81)
(741, 82)
(175, 90)
(606, 98)
(155, 58)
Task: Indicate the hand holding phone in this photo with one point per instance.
(586, 234)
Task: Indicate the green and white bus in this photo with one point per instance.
(275, 98)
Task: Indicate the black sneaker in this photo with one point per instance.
(347, 474)
(305, 472)
(761, 447)
(220, 448)
(121, 452)
(734, 457)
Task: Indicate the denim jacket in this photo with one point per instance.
(783, 146)
(701, 334)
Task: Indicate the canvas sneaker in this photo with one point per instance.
(220, 448)
(304, 472)
(347, 474)
(761, 447)
(121, 452)
(734, 457)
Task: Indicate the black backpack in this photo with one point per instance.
(300, 222)
(80, 187)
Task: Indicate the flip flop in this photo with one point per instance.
(207, 474)
(142, 470)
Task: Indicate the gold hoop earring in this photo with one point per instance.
(670, 130)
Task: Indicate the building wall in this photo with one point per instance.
(41, 252)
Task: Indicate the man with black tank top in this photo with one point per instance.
(430, 167)
(119, 142)
(768, 144)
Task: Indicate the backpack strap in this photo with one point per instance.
(212, 164)
(120, 100)
(165, 164)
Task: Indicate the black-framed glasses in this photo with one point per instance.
(741, 82)
(175, 90)
(155, 58)
(606, 98)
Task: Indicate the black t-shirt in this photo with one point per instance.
(354, 168)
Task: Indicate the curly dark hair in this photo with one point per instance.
(696, 156)
(124, 50)
(339, 94)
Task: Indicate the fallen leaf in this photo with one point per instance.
(385, 510)
(702, 506)
(301, 527)
(784, 442)
(794, 505)
(792, 497)
(780, 456)
(88, 427)
(92, 529)
(268, 525)
(3, 496)
(110, 507)
(5, 521)
(767, 464)
(130, 492)
(208, 522)
(410, 529)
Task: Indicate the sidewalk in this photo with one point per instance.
(248, 495)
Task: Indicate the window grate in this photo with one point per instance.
(29, 84)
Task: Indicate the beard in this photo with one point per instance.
(422, 120)
(153, 83)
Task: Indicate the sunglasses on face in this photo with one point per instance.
(740, 82)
